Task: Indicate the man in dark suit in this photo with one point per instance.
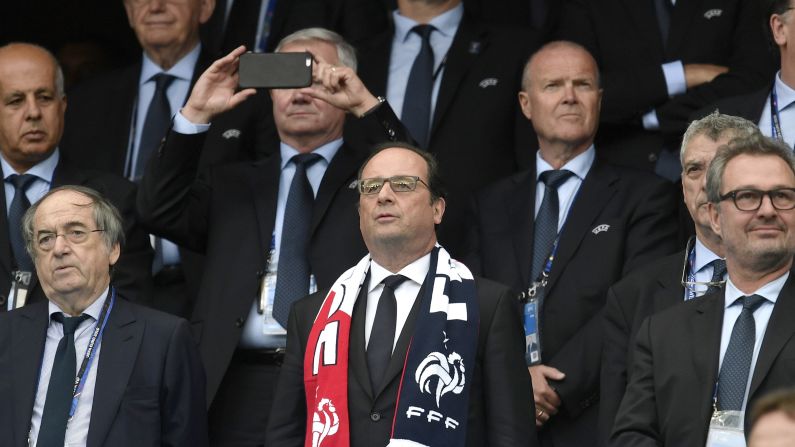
(31, 124)
(672, 279)
(609, 220)
(474, 126)
(758, 106)
(141, 383)
(397, 223)
(115, 121)
(239, 215)
(661, 61)
(725, 349)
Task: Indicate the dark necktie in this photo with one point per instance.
(417, 99)
(158, 118)
(61, 387)
(718, 271)
(663, 10)
(382, 334)
(546, 223)
(19, 205)
(733, 376)
(292, 281)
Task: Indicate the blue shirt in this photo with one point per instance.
(406, 46)
(567, 191)
(732, 310)
(702, 267)
(43, 171)
(261, 330)
(786, 96)
(77, 429)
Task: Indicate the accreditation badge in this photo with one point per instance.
(20, 283)
(532, 341)
(726, 429)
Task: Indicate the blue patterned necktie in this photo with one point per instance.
(293, 272)
(546, 222)
(718, 271)
(416, 113)
(19, 205)
(733, 376)
(158, 118)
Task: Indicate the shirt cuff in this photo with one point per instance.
(674, 73)
(183, 126)
(650, 121)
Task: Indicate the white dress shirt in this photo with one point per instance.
(732, 310)
(567, 191)
(77, 429)
(786, 111)
(405, 293)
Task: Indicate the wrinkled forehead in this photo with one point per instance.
(395, 161)
(64, 209)
(757, 172)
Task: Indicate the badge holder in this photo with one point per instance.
(531, 318)
(20, 284)
(726, 429)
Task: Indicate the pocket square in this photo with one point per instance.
(231, 133)
(713, 13)
(600, 228)
(488, 82)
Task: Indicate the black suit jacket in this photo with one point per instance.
(625, 39)
(750, 106)
(636, 215)
(669, 397)
(150, 382)
(229, 214)
(132, 272)
(501, 407)
(478, 133)
(646, 291)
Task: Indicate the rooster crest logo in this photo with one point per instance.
(447, 370)
(325, 422)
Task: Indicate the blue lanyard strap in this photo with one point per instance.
(775, 118)
(88, 358)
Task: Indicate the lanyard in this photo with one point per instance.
(690, 288)
(775, 118)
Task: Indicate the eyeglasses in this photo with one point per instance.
(398, 183)
(751, 199)
(46, 240)
(695, 286)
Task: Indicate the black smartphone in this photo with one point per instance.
(275, 70)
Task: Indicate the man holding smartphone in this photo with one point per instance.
(272, 230)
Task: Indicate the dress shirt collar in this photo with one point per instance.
(183, 69)
(327, 151)
(416, 271)
(445, 23)
(44, 169)
(703, 256)
(579, 165)
(93, 310)
(784, 93)
(769, 291)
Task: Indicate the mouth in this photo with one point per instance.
(385, 217)
(767, 230)
(34, 134)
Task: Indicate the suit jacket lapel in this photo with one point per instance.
(704, 331)
(29, 334)
(779, 331)
(6, 254)
(122, 117)
(682, 15)
(595, 191)
(374, 69)
(520, 208)
(118, 353)
(670, 290)
(264, 181)
(357, 359)
(465, 49)
(642, 12)
(342, 167)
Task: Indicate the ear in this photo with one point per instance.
(524, 103)
(714, 218)
(438, 210)
(128, 7)
(114, 253)
(206, 10)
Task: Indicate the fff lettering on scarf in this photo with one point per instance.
(433, 416)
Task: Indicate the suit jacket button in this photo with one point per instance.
(375, 417)
(239, 322)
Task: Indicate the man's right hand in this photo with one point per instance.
(214, 92)
(697, 74)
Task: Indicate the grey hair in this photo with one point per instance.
(345, 51)
(756, 144)
(106, 217)
(715, 126)
(553, 46)
(59, 81)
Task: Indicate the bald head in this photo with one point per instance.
(557, 49)
(32, 105)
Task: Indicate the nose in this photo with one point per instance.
(33, 109)
(156, 5)
(300, 97)
(766, 208)
(569, 95)
(386, 195)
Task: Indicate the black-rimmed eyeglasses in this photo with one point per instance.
(398, 183)
(751, 199)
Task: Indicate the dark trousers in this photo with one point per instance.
(239, 412)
